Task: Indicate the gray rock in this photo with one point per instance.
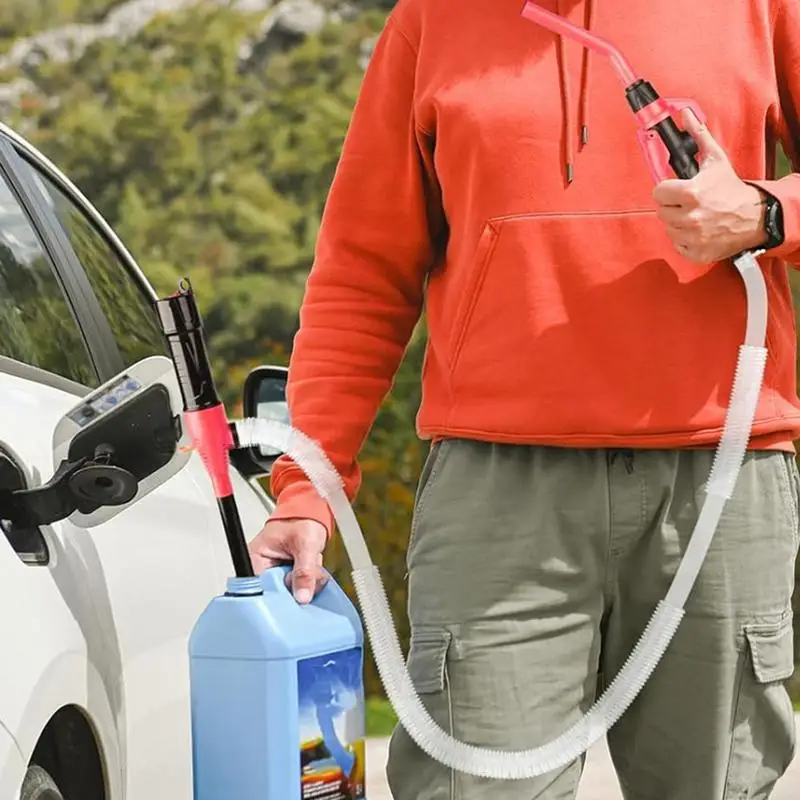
(286, 23)
(69, 42)
(304, 17)
(367, 46)
(11, 93)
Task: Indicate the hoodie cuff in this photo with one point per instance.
(302, 501)
(787, 191)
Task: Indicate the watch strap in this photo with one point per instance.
(772, 220)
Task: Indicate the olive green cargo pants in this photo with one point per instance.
(532, 573)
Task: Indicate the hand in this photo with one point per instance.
(300, 542)
(714, 215)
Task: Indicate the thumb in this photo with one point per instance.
(305, 570)
(710, 149)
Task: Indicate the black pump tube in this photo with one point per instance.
(204, 415)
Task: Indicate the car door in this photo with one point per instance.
(53, 653)
(161, 561)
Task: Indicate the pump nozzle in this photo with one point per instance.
(663, 143)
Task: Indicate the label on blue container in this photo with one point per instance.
(332, 736)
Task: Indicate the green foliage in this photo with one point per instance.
(381, 718)
(783, 163)
(219, 169)
(207, 168)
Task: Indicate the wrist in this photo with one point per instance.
(755, 235)
(767, 220)
(301, 501)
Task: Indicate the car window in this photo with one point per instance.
(37, 326)
(129, 311)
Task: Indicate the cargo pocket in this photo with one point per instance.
(772, 651)
(412, 775)
(427, 659)
(763, 736)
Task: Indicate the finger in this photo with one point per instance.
(263, 556)
(305, 571)
(690, 251)
(322, 578)
(710, 149)
(319, 584)
(261, 563)
(682, 249)
(675, 193)
(673, 217)
(680, 240)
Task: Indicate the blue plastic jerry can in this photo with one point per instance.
(277, 695)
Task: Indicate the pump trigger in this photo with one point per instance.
(676, 105)
(655, 154)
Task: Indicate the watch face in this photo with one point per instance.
(773, 222)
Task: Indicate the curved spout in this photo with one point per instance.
(563, 27)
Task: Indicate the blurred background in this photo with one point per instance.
(207, 134)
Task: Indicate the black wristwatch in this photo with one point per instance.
(773, 221)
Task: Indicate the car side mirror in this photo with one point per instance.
(264, 397)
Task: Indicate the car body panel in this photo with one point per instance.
(105, 625)
(12, 765)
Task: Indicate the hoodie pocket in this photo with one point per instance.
(531, 270)
(561, 307)
(472, 292)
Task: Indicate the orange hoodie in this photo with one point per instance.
(477, 183)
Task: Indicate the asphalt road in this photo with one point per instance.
(599, 781)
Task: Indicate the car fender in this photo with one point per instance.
(70, 680)
(49, 663)
(12, 765)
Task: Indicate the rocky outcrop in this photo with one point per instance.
(286, 23)
(69, 42)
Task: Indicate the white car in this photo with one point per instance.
(94, 693)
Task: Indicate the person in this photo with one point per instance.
(583, 329)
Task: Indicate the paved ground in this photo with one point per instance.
(599, 781)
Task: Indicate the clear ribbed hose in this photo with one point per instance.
(569, 745)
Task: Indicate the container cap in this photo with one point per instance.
(242, 587)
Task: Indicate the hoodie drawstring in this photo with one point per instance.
(586, 76)
(566, 92)
(566, 103)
